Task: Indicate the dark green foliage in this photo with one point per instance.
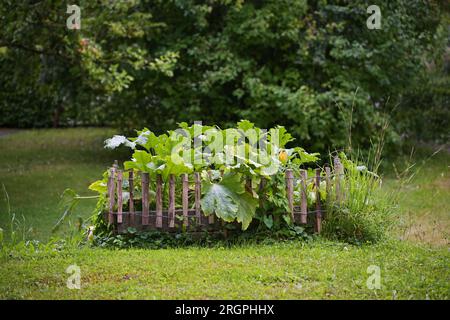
(303, 64)
(161, 240)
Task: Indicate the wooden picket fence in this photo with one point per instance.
(192, 219)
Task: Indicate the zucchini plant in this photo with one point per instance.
(232, 163)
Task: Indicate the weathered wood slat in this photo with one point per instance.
(171, 201)
(185, 200)
(111, 194)
(318, 226)
(145, 199)
(304, 199)
(290, 192)
(131, 190)
(197, 196)
(211, 218)
(159, 201)
(119, 196)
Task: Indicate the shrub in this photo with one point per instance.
(159, 62)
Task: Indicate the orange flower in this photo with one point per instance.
(283, 156)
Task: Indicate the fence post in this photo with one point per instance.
(185, 199)
(197, 196)
(290, 192)
(111, 194)
(211, 216)
(318, 205)
(304, 203)
(145, 200)
(171, 201)
(119, 196)
(131, 202)
(159, 183)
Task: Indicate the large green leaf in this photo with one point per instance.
(140, 161)
(99, 186)
(229, 200)
(175, 165)
(247, 209)
(218, 199)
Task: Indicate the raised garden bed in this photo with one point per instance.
(134, 209)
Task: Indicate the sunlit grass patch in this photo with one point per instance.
(284, 271)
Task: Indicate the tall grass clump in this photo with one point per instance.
(361, 211)
(16, 239)
(18, 230)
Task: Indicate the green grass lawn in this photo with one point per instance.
(424, 201)
(36, 166)
(320, 270)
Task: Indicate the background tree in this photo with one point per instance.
(312, 66)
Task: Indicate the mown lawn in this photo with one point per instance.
(319, 270)
(36, 166)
